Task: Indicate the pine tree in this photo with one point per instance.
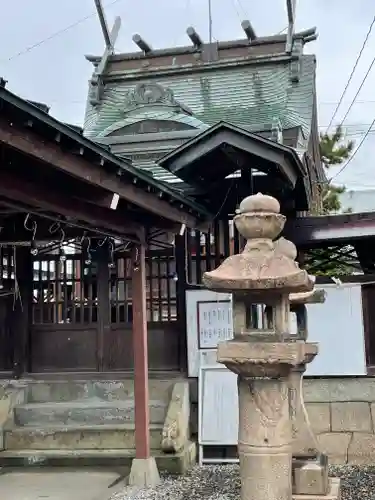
(334, 151)
(326, 261)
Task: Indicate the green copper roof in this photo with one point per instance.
(163, 115)
(251, 96)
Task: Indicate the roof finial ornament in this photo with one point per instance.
(110, 38)
(291, 10)
(249, 30)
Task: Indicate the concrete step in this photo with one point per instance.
(173, 463)
(75, 437)
(92, 411)
(42, 391)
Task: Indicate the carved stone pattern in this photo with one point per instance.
(269, 405)
(292, 409)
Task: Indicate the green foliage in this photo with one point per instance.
(330, 262)
(331, 200)
(333, 151)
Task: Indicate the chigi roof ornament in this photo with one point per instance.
(110, 38)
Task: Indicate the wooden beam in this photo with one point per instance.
(327, 230)
(291, 11)
(110, 40)
(103, 22)
(32, 145)
(101, 199)
(27, 192)
(109, 49)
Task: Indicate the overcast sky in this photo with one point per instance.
(56, 72)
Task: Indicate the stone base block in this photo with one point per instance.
(172, 463)
(78, 437)
(310, 477)
(333, 493)
(144, 473)
(178, 463)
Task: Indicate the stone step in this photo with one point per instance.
(42, 391)
(75, 437)
(173, 463)
(92, 411)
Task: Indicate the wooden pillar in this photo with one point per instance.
(140, 349)
(22, 310)
(103, 307)
(180, 255)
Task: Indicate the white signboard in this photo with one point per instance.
(215, 322)
(209, 320)
(218, 409)
(338, 327)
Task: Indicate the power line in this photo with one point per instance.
(355, 152)
(188, 15)
(358, 134)
(359, 90)
(351, 74)
(282, 31)
(365, 101)
(57, 33)
(236, 10)
(242, 7)
(358, 186)
(347, 125)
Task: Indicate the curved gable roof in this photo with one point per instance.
(208, 158)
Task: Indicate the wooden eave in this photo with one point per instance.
(327, 230)
(186, 161)
(26, 128)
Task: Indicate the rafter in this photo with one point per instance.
(74, 210)
(79, 167)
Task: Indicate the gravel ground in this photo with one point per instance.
(222, 482)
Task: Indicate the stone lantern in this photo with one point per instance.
(263, 352)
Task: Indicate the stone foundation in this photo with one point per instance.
(341, 411)
(342, 414)
(75, 422)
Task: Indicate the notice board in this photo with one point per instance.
(218, 406)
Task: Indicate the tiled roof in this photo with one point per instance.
(160, 173)
(156, 171)
(252, 96)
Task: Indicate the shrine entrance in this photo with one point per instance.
(72, 217)
(82, 313)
